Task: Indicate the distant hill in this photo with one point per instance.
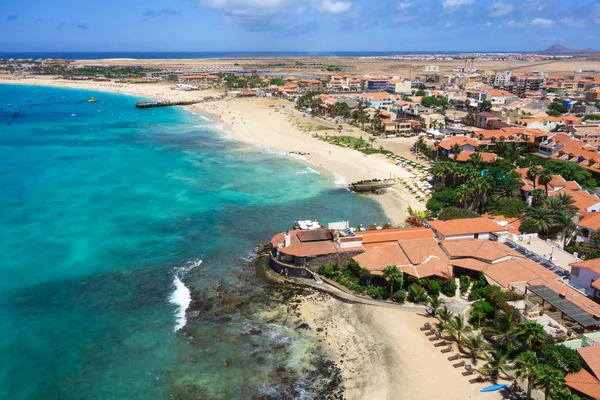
(558, 49)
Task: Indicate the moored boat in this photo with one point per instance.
(92, 100)
(372, 185)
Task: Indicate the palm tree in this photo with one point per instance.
(506, 189)
(538, 196)
(563, 203)
(525, 366)
(372, 140)
(417, 294)
(464, 195)
(458, 327)
(541, 217)
(532, 335)
(421, 214)
(545, 178)
(504, 329)
(476, 344)
(546, 377)
(445, 315)
(392, 274)
(532, 173)
(566, 225)
(434, 304)
(496, 362)
(476, 160)
(482, 186)
(455, 150)
(593, 245)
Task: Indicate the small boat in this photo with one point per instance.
(39, 95)
(52, 119)
(99, 110)
(73, 115)
(493, 388)
(9, 105)
(372, 185)
(92, 100)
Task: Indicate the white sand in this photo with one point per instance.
(383, 354)
(255, 121)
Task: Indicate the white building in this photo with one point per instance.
(471, 228)
(431, 68)
(585, 276)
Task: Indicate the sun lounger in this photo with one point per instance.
(454, 357)
(467, 373)
(458, 365)
(433, 339)
(447, 350)
(431, 332)
(440, 344)
(476, 380)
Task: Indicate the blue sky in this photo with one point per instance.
(302, 25)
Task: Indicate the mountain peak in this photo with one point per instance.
(560, 49)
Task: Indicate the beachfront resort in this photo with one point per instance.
(499, 246)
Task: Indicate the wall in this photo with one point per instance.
(584, 280)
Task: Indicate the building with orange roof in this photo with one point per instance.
(587, 380)
(465, 156)
(593, 94)
(585, 276)
(465, 143)
(511, 224)
(419, 258)
(588, 133)
(588, 223)
(467, 228)
(584, 200)
(378, 99)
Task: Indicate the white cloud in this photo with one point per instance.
(332, 7)
(542, 23)
(403, 5)
(456, 3)
(573, 23)
(500, 9)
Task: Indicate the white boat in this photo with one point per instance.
(73, 115)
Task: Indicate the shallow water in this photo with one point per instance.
(111, 218)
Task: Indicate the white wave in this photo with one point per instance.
(204, 118)
(181, 297)
(339, 179)
(307, 170)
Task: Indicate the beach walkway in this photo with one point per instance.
(327, 286)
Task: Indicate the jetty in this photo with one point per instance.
(153, 104)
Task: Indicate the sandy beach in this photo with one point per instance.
(382, 353)
(271, 124)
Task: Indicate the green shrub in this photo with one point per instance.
(417, 294)
(399, 296)
(433, 287)
(328, 271)
(481, 311)
(450, 213)
(449, 289)
(377, 292)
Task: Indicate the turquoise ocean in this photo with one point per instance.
(111, 218)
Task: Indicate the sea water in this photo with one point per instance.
(111, 219)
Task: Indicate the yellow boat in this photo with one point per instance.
(92, 100)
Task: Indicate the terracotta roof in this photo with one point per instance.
(377, 259)
(460, 140)
(426, 257)
(511, 224)
(596, 284)
(589, 220)
(372, 239)
(465, 226)
(518, 272)
(593, 264)
(591, 357)
(481, 249)
(470, 263)
(584, 382)
(485, 157)
(583, 199)
(302, 245)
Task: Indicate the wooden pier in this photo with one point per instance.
(152, 104)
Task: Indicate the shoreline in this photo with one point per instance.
(271, 125)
